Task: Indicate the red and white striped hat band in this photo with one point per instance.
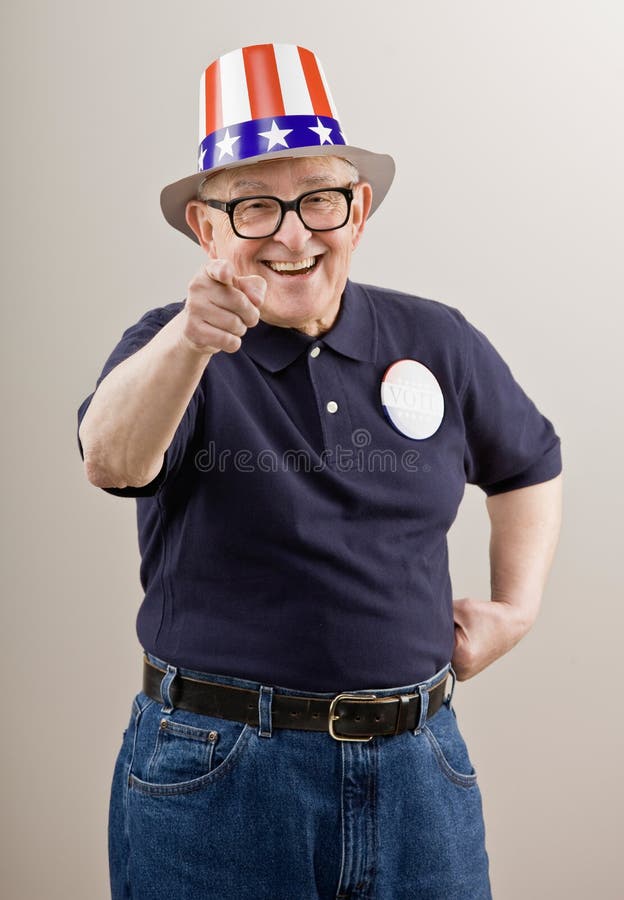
(263, 98)
(265, 101)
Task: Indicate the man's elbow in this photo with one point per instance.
(100, 474)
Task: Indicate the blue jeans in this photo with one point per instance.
(204, 808)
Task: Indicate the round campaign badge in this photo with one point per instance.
(412, 398)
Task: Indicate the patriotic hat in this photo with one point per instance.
(263, 102)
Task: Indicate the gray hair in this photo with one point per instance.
(354, 176)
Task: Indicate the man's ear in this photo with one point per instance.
(199, 223)
(360, 209)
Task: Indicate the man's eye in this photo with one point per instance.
(252, 204)
(253, 208)
(327, 199)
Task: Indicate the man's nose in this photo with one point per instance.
(292, 232)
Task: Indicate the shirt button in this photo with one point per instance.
(332, 406)
(314, 352)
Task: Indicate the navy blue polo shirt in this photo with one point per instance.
(294, 535)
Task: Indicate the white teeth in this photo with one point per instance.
(291, 266)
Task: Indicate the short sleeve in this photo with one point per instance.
(133, 338)
(509, 443)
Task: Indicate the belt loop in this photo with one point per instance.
(424, 707)
(449, 697)
(165, 686)
(265, 721)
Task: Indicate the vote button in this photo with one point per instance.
(412, 398)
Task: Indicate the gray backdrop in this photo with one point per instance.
(505, 120)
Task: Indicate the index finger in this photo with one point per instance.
(253, 286)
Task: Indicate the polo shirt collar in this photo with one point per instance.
(353, 334)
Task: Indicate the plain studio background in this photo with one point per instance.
(505, 120)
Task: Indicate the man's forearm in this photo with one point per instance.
(525, 527)
(137, 408)
(525, 530)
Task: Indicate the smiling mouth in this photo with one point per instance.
(300, 267)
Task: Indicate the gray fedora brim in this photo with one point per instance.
(376, 168)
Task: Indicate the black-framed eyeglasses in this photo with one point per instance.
(260, 217)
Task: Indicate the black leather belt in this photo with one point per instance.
(357, 717)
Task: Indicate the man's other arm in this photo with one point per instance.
(525, 526)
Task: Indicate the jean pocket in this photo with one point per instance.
(449, 747)
(182, 751)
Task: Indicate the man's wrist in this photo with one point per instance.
(519, 614)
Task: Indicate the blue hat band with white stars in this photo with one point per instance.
(258, 136)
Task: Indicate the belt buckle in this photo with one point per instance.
(332, 717)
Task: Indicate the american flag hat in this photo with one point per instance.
(263, 102)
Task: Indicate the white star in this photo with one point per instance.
(200, 160)
(323, 133)
(275, 135)
(225, 146)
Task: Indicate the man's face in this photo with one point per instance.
(308, 300)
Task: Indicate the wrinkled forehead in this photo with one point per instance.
(312, 171)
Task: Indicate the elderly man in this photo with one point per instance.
(298, 445)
